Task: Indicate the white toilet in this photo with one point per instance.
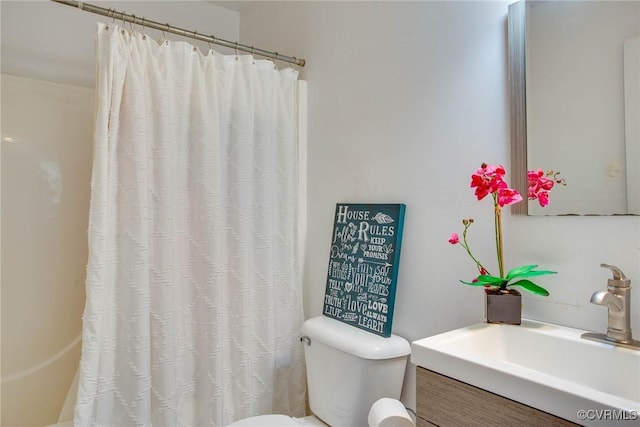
(348, 370)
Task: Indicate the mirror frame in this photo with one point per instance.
(516, 31)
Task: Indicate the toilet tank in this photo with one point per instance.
(348, 369)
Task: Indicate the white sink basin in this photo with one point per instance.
(542, 365)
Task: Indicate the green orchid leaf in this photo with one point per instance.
(531, 287)
(485, 279)
(490, 280)
(472, 283)
(534, 273)
(518, 271)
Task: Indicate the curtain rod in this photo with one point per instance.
(112, 13)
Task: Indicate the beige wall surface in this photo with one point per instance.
(46, 168)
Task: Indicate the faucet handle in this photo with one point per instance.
(619, 279)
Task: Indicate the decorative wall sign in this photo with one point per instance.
(363, 265)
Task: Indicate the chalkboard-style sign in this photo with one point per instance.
(363, 265)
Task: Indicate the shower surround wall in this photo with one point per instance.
(46, 172)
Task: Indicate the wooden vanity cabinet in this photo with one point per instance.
(443, 401)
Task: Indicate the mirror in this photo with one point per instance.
(575, 94)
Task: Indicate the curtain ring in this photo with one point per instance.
(108, 16)
(123, 24)
(144, 30)
(164, 35)
(236, 50)
(194, 41)
(113, 17)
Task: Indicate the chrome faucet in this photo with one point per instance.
(617, 299)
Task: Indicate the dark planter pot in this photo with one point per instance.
(503, 306)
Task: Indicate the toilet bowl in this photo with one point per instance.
(348, 371)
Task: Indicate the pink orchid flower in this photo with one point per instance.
(488, 179)
(508, 196)
(540, 185)
(543, 198)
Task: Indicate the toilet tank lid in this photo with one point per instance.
(352, 340)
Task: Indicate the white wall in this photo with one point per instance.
(406, 99)
(45, 188)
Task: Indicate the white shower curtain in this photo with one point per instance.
(193, 283)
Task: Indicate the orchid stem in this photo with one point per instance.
(465, 245)
(498, 226)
